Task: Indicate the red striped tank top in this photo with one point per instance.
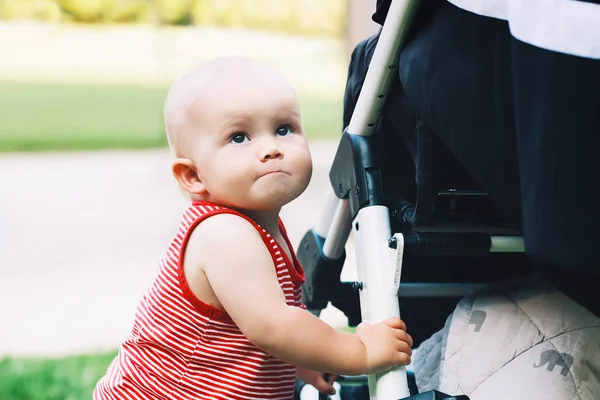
(182, 348)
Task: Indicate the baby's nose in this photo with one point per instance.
(271, 150)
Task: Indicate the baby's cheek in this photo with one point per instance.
(308, 168)
(232, 171)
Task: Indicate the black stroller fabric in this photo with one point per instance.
(524, 122)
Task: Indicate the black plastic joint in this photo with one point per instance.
(435, 395)
(322, 283)
(356, 172)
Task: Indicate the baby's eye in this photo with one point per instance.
(238, 138)
(284, 130)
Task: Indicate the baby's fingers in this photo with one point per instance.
(403, 347)
(405, 337)
(324, 386)
(402, 358)
(395, 323)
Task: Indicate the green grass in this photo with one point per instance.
(70, 116)
(70, 378)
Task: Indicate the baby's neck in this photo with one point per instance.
(269, 220)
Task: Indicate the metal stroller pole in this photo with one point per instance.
(382, 70)
(376, 261)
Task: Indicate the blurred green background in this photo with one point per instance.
(305, 16)
(69, 378)
(87, 116)
(92, 74)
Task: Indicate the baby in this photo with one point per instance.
(224, 318)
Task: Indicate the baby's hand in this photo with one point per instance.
(387, 344)
(317, 379)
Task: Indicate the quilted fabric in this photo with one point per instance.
(520, 340)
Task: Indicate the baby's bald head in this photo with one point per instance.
(220, 80)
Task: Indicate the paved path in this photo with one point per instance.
(80, 237)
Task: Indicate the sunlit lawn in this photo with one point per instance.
(71, 116)
(71, 378)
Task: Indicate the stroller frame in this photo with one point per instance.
(356, 205)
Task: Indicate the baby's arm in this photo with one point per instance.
(240, 272)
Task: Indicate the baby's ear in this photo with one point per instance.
(186, 174)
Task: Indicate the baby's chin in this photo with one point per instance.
(267, 202)
(271, 203)
(276, 194)
(266, 195)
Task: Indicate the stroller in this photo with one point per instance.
(454, 160)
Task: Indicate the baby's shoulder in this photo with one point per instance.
(225, 240)
(224, 230)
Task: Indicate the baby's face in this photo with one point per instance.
(250, 150)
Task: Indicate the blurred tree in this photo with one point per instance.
(135, 11)
(43, 10)
(15, 10)
(217, 13)
(88, 10)
(173, 12)
(310, 16)
(47, 10)
(270, 14)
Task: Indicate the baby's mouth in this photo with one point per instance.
(274, 172)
